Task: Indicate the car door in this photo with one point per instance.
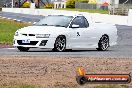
(84, 36)
(90, 34)
(79, 35)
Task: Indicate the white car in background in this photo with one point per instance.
(62, 32)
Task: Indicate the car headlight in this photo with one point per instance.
(16, 33)
(42, 35)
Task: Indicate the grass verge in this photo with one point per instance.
(7, 30)
(16, 85)
(87, 10)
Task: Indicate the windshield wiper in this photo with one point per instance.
(40, 24)
(59, 26)
(44, 24)
(51, 25)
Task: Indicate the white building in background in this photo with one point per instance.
(59, 4)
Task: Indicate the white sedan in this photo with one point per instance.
(61, 32)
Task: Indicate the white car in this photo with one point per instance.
(66, 32)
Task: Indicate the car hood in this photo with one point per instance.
(41, 29)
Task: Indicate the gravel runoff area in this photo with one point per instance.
(59, 72)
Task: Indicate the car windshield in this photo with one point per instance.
(59, 21)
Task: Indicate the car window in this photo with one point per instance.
(79, 20)
(55, 20)
(86, 22)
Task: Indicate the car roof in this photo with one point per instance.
(68, 13)
(74, 14)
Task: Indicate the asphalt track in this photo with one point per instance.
(21, 17)
(122, 49)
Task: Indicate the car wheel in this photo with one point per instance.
(60, 44)
(81, 80)
(103, 43)
(23, 49)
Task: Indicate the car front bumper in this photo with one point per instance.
(34, 42)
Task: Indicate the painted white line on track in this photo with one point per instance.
(3, 17)
(8, 18)
(14, 19)
(29, 22)
(19, 20)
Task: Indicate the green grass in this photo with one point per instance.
(83, 10)
(16, 85)
(7, 30)
(87, 10)
(112, 86)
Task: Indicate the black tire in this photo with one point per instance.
(103, 43)
(23, 49)
(60, 44)
(81, 80)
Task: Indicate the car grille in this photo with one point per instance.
(28, 34)
(31, 42)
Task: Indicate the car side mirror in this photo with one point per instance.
(75, 26)
(34, 23)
